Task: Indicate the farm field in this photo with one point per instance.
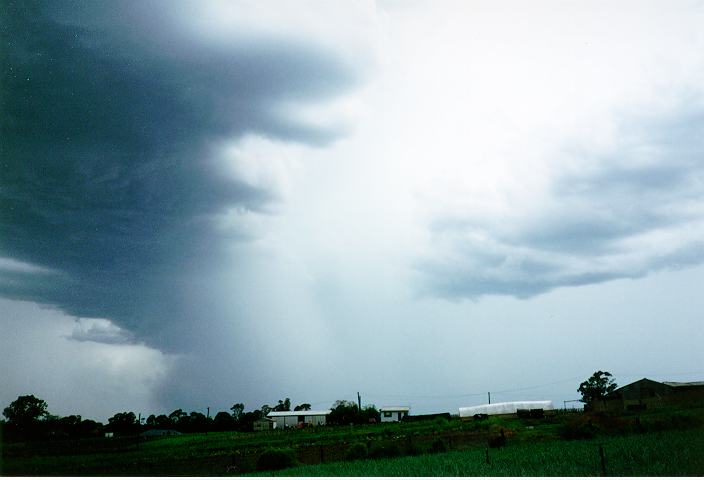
(651, 454)
(667, 442)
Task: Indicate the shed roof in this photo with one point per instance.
(395, 409)
(296, 413)
(684, 384)
(647, 380)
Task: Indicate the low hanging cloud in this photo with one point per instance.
(99, 330)
(624, 211)
(110, 195)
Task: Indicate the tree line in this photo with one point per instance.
(28, 418)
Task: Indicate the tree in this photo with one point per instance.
(283, 406)
(197, 422)
(123, 423)
(237, 411)
(596, 387)
(265, 410)
(371, 414)
(164, 422)
(151, 421)
(177, 416)
(344, 412)
(301, 407)
(25, 411)
(223, 422)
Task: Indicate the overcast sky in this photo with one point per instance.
(204, 203)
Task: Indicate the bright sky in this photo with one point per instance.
(210, 203)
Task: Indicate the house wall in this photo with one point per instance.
(693, 395)
(293, 420)
(395, 416)
(263, 425)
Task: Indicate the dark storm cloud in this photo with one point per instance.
(107, 118)
(651, 184)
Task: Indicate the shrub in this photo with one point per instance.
(438, 446)
(578, 429)
(384, 451)
(357, 451)
(442, 422)
(276, 459)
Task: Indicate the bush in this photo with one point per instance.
(438, 446)
(578, 429)
(442, 422)
(276, 459)
(357, 451)
(385, 451)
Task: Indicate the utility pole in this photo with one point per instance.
(208, 412)
(489, 393)
(359, 401)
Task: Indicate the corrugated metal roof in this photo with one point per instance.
(307, 413)
(395, 409)
(669, 384)
(684, 384)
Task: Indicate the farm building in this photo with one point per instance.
(298, 418)
(647, 394)
(263, 424)
(505, 408)
(393, 414)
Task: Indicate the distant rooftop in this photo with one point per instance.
(298, 412)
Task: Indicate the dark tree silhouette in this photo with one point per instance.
(301, 407)
(283, 406)
(26, 410)
(237, 411)
(123, 423)
(344, 412)
(26, 417)
(596, 387)
(223, 422)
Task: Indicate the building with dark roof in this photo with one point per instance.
(646, 394)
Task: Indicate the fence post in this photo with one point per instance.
(486, 450)
(603, 460)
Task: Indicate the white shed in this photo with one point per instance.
(505, 407)
(293, 419)
(393, 414)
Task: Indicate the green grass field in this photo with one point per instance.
(651, 454)
(668, 442)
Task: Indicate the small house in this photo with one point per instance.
(393, 414)
(298, 418)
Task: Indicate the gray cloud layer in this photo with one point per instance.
(108, 111)
(635, 209)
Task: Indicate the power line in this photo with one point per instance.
(529, 387)
(425, 396)
(538, 386)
